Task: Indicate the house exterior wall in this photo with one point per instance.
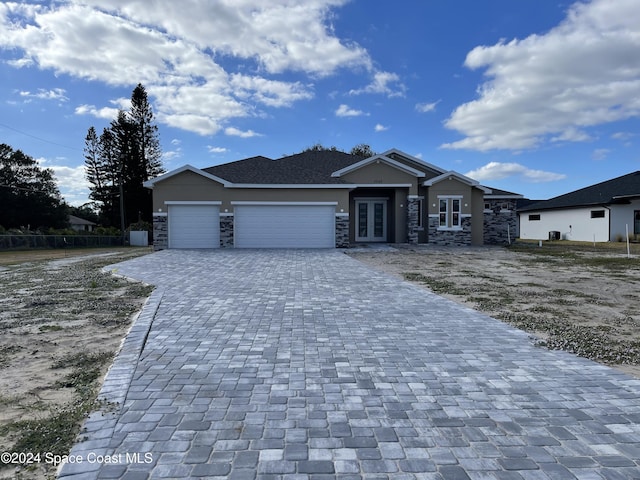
(477, 217)
(464, 235)
(572, 223)
(500, 221)
(621, 217)
(189, 186)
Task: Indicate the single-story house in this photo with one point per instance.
(324, 199)
(80, 224)
(602, 212)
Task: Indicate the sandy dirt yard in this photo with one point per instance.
(61, 321)
(575, 298)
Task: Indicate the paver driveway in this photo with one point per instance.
(309, 364)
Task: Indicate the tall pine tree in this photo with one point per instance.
(127, 154)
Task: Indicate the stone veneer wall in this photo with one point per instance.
(342, 231)
(226, 231)
(413, 210)
(499, 223)
(457, 238)
(160, 232)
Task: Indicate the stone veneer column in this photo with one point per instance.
(413, 210)
(160, 231)
(226, 231)
(342, 230)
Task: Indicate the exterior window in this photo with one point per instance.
(455, 216)
(443, 213)
(636, 222)
(487, 205)
(449, 213)
(534, 217)
(597, 213)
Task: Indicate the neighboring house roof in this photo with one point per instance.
(604, 193)
(73, 220)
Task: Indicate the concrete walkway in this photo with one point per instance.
(311, 365)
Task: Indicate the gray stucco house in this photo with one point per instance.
(326, 199)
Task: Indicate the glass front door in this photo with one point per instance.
(371, 221)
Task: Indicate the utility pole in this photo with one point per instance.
(122, 196)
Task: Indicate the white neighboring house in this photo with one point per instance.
(80, 224)
(601, 213)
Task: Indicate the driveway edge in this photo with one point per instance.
(97, 430)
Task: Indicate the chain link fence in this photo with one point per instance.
(24, 242)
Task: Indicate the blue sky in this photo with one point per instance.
(535, 97)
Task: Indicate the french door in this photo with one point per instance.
(371, 221)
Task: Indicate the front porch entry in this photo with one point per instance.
(371, 219)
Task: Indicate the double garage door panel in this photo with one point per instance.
(194, 226)
(284, 226)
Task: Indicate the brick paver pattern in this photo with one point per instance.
(310, 365)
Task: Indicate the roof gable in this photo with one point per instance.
(185, 168)
(458, 176)
(603, 193)
(416, 162)
(377, 159)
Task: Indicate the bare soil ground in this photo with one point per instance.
(578, 298)
(61, 322)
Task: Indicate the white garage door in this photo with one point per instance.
(194, 226)
(284, 226)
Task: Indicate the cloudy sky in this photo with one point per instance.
(535, 97)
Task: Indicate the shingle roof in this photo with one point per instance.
(599, 194)
(496, 192)
(79, 221)
(313, 167)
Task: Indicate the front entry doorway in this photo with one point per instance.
(371, 223)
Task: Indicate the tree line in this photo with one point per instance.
(29, 196)
(117, 161)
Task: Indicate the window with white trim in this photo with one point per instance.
(449, 212)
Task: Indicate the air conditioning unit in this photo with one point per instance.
(554, 235)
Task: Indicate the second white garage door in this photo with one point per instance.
(284, 226)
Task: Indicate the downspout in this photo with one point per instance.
(609, 232)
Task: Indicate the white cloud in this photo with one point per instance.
(385, 83)
(499, 170)
(192, 56)
(582, 73)
(106, 113)
(600, 153)
(56, 94)
(380, 128)
(216, 150)
(71, 181)
(345, 111)
(234, 132)
(427, 107)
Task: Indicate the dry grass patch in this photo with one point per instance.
(61, 322)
